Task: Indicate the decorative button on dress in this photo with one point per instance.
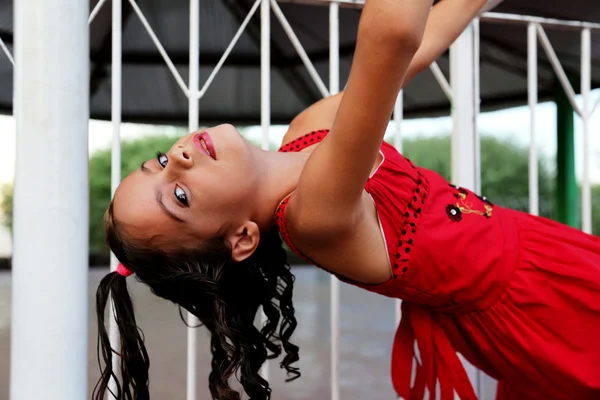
(517, 295)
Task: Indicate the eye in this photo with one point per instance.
(162, 159)
(181, 196)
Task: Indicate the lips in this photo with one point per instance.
(204, 144)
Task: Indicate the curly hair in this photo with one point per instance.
(224, 295)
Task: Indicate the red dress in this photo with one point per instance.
(517, 295)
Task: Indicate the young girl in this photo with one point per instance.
(517, 295)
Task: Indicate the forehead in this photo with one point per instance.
(135, 206)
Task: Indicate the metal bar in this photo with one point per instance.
(334, 48)
(228, 50)
(476, 106)
(441, 79)
(7, 52)
(486, 16)
(586, 81)
(115, 162)
(265, 104)
(476, 101)
(557, 67)
(398, 117)
(550, 22)
(49, 325)
(532, 92)
(334, 291)
(95, 11)
(193, 105)
(465, 168)
(160, 48)
(299, 49)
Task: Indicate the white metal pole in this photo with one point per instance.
(532, 91)
(398, 118)
(586, 78)
(228, 50)
(7, 52)
(441, 80)
(49, 326)
(557, 67)
(310, 68)
(95, 11)
(115, 162)
(334, 48)
(159, 47)
(477, 145)
(265, 102)
(465, 169)
(476, 107)
(193, 104)
(334, 87)
(465, 172)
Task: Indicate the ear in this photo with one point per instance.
(244, 241)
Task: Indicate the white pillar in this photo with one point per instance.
(334, 283)
(50, 265)
(465, 168)
(116, 77)
(586, 81)
(532, 99)
(193, 110)
(464, 79)
(265, 105)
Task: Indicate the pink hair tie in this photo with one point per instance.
(123, 271)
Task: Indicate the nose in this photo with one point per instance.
(181, 156)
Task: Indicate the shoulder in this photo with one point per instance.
(318, 116)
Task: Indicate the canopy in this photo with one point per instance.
(152, 94)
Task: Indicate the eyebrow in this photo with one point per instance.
(160, 202)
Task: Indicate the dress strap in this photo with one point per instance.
(304, 141)
(439, 360)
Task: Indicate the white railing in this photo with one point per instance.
(463, 90)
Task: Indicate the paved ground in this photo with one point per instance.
(367, 323)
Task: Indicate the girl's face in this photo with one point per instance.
(201, 188)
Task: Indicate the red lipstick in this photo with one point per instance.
(204, 144)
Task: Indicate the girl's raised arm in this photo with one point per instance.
(329, 193)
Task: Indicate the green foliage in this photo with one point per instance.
(596, 210)
(504, 170)
(6, 204)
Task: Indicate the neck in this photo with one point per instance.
(280, 173)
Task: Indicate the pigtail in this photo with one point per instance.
(132, 384)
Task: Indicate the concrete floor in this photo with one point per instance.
(367, 324)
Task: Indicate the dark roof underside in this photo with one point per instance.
(151, 94)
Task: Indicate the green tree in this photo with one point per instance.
(596, 210)
(504, 170)
(6, 204)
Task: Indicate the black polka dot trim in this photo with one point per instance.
(304, 141)
(412, 214)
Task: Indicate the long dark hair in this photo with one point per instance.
(223, 296)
